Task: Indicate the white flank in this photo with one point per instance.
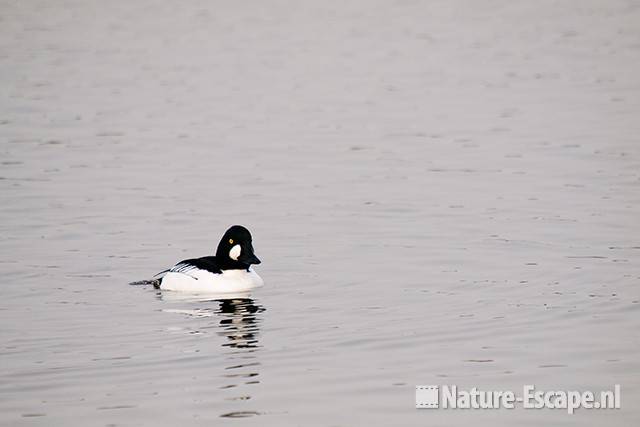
(201, 281)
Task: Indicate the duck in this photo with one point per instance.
(229, 271)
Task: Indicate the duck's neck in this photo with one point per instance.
(226, 263)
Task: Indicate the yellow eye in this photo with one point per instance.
(231, 241)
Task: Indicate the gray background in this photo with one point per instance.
(441, 193)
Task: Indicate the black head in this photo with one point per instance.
(235, 250)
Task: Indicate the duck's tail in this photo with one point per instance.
(154, 282)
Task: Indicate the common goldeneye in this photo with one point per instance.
(228, 271)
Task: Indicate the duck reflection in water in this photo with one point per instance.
(240, 322)
(237, 320)
(239, 317)
(240, 325)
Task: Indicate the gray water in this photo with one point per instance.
(441, 193)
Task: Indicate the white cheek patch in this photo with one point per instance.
(234, 253)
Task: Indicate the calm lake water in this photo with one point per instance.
(440, 192)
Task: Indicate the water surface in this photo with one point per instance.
(440, 192)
